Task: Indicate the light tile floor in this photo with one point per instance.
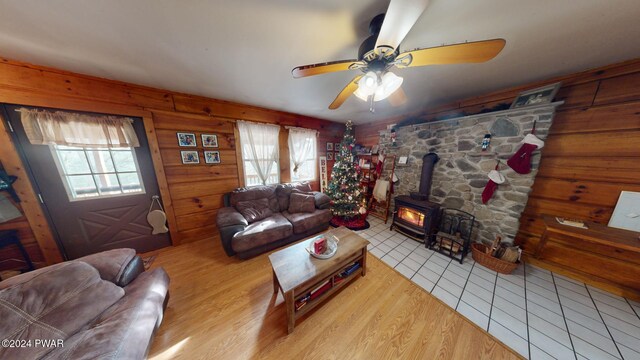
(539, 314)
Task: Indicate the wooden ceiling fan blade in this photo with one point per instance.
(326, 67)
(473, 52)
(345, 93)
(398, 21)
(398, 98)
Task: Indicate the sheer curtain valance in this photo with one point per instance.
(71, 129)
(259, 146)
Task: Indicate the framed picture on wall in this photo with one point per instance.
(186, 139)
(537, 96)
(336, 147)
(329, 156)
(212, 157)
(329, 147)
(209, 140)
(190, 157)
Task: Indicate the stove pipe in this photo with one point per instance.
(428, 163)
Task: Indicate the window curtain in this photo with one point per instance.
(71, 129)
(302, 145)
(259, 146)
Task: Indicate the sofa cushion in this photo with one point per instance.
(255, 193)
(303, 222)
(254, 210)
(262, 232)
(283, 191)
(322, 200)
(40, 308)
(301, 203)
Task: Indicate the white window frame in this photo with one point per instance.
(64, 175)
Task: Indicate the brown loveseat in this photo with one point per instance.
(258, 219)
(102, 306)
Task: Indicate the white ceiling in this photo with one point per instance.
(244, 50)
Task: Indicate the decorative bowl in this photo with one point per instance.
(332, 248)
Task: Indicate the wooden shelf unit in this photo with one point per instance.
(369, 173)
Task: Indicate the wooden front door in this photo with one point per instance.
(96, 198)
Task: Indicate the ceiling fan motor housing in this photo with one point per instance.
(367, 52)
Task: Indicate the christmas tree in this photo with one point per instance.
(347, 203)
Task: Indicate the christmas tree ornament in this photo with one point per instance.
(520, 162)
(495, 179)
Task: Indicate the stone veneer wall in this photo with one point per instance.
(461, 174)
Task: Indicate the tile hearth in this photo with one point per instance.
(539, 314)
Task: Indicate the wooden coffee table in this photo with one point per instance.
(296, 273)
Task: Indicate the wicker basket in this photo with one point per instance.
(493, 263)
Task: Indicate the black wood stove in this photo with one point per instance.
(414, 215)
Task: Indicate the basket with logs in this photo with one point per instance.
(499, 257)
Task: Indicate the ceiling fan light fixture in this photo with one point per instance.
(368, 84)
(361, 95)
(390, 83)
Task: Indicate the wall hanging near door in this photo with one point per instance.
(157, 218)
(6, 184)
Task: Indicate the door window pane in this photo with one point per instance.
(74, 162)
(130, 182)
(124, 161)
(82, 186)
(89, 173)
(108, 184)
(100, 161)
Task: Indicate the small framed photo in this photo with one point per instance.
(329, 146)
(190, 157)
(537, 96)
(335, 156)
(402, 160)
(212, 157)
(336, 147)
(186, 139)
(209, 140)
(329, 156)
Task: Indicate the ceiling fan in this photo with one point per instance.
(380, 52)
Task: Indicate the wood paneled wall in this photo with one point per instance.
(191, 193)
(591, 155)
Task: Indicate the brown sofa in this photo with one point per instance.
(261, 218)
(97, 307)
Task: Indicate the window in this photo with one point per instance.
(260, 153)
(98, 172)
(302, 147)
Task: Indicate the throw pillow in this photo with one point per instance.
(254, 210)
(301, 203)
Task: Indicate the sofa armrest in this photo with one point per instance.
(322, 200)
(229, 222)
(116, 265)
(228, 216)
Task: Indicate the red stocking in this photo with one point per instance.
(520, 162)
(495, 179)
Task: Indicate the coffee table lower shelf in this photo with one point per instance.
(292, 296)
(334, 288)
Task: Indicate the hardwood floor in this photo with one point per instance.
(224, 308)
